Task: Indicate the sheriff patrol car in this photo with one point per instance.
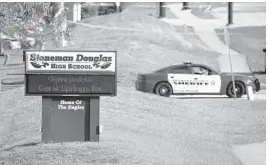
(196, 79)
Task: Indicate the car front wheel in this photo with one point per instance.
(163, 89)
(239, 90)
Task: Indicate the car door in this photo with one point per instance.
(180, 78)
(206, 81)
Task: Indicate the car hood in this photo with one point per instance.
(238, 73)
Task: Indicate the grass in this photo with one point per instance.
(143, 43)
(139, 128)
(249, 41)
(145, 129)
(202, 14)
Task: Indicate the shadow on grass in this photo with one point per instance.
(250, 42)
(13, 83)
(21, 145)
(197, 98)
(15, 74)
(9, 67)
(16, 64)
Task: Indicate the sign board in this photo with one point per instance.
(69, 62)
(55, 84)
(70, 83)
(70, 73)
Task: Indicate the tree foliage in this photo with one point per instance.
(42, 21)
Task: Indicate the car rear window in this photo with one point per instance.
(162, 70)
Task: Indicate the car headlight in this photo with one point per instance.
(252, 77)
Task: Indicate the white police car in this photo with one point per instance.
(198, 79)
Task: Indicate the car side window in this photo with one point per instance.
(180, 70)
(200, 70)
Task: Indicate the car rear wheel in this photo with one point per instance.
(239, 90)
(111, 11)
(163, 89)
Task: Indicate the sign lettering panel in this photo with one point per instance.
(70, 84)
(74, 105)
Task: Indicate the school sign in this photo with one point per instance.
(70, 61)
(70, 73)
(70, 83)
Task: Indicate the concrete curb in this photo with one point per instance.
(263, 86)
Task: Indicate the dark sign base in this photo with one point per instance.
(70, 119)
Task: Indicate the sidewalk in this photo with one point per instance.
(205, 29)
(251, 154)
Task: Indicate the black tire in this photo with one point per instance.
(163, 89)
(110, 11)
(240, 87)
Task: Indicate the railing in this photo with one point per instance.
(4, 63)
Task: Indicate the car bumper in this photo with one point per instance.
(144, 86)
(139, 85)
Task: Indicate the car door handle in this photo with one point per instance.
(171, 76)
(195, 78)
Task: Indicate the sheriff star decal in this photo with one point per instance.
(212, 82)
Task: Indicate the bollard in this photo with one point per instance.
(250, 94)
(118, 7)
(6, 61)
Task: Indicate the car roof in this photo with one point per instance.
(184, 64)
(189, 64)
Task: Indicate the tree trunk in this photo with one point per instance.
(63, 41)
(185, 6)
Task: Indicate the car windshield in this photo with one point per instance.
(214, 70)
(211, 69)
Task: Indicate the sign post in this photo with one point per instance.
(264, 50)
(70, 83)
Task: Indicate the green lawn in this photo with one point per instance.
(249, 41)
(139, 128)
(144, 43)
